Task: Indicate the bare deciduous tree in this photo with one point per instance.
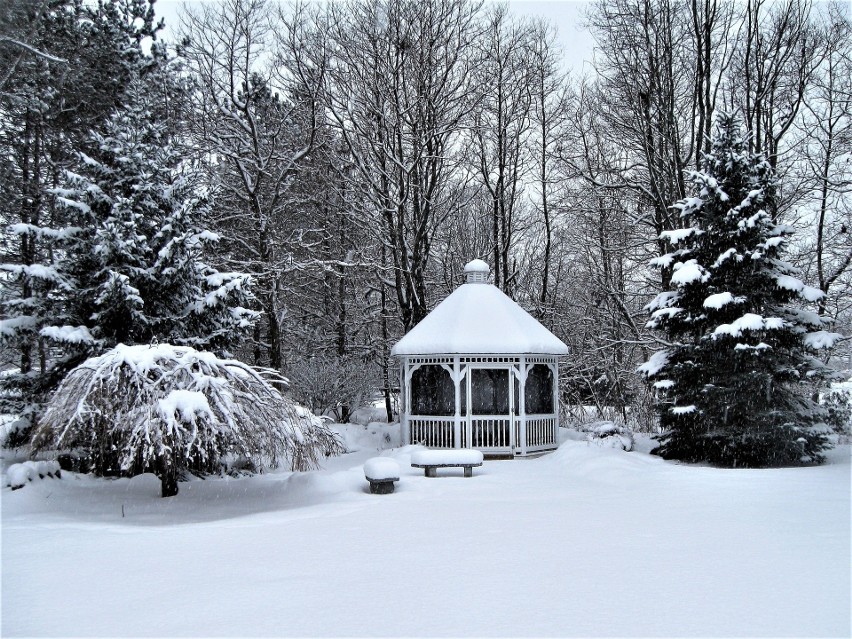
(501, 130)
(400, 91)
(259, 75)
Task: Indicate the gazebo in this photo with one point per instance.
(480, 372)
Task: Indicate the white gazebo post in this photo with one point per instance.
(522, 408)
(403, 401)
(476, 347)
(457, 378)
(555, 370)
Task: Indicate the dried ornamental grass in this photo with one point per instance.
(164, 408)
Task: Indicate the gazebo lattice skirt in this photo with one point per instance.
(497, 404)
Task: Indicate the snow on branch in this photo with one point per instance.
(677, 235)
(819, 340)
(796, 285)
(719, 300)
(33, 50)
(689, 272)
(37, 271)
(657, 362)
(68, 334)
(749, 322)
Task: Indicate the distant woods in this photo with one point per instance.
(353, 156)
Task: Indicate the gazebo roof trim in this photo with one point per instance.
(479, 318)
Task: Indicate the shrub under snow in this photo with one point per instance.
(610, 435)
(18, 475)
(165, 408)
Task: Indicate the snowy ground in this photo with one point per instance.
(586, 541)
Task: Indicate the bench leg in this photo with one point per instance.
(430, 471)
(468, 471)
(381, 487)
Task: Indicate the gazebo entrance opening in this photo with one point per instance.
(499, 407)
(490, 392)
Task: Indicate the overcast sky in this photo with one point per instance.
(566, 15)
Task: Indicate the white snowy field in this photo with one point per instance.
(583, 542)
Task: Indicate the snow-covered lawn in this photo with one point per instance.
(586, 541)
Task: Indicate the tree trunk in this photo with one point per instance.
(385, 338)
(168, 476)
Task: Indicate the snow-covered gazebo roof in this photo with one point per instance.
(479, 318)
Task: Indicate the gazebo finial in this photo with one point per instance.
(476, 271)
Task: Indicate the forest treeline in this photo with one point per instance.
(327, 169)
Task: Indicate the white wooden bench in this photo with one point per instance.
(431, 460)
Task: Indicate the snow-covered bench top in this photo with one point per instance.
(452, 457)
(381, 468)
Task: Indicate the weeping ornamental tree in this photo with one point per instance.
(735, 381)
(166, 409)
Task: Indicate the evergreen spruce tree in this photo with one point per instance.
(70, 77)
(735, 381)
(124, 261)
(131, 261)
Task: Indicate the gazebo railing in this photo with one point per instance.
(541, 432)
(434, 432)
(489, 433)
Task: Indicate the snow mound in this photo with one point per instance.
(372, 436)
(147, 484)
(18, 475)
(602, 464)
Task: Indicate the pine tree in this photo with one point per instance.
(73, 73)
(133, 266)
(734, 381)
(124, 262)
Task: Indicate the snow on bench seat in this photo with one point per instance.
(429, 460)
(453, 457)
(381, 468)
(381, 472)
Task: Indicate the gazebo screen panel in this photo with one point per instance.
(538, 393)
(432, 391)
(489, 389)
